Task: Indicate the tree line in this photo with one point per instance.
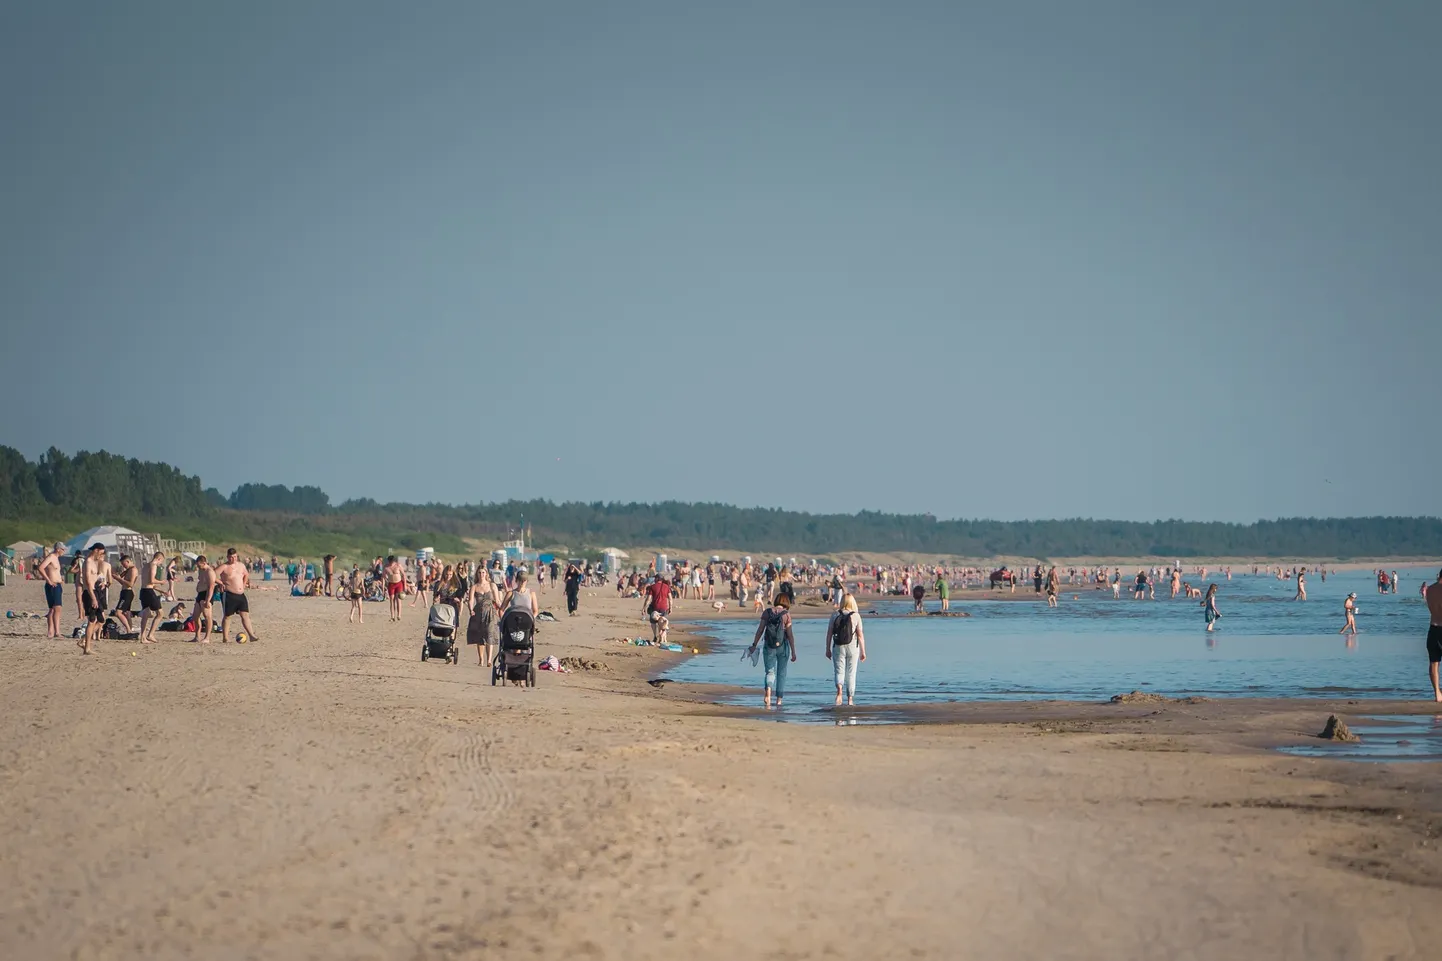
(104, 487)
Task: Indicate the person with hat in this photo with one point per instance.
(49, 571)
(1349, 607)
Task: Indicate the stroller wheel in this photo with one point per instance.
(493, 677)
(425, 652)
(531, 676)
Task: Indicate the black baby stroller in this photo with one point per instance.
(516, 658)
(441, 634)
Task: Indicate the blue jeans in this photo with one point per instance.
(775, 660)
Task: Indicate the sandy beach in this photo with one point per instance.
(325, 794)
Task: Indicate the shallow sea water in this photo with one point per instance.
(1093, 646)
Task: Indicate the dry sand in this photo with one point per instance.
(325, 794)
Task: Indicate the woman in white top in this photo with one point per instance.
(846, 647)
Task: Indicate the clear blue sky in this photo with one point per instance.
(1128, 260)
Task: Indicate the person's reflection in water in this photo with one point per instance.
(1211, 642)
(1351, 642)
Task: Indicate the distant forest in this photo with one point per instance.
(59, 492)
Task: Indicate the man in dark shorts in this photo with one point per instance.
(49, 571)
(1434, 634)
(152, 584)
(234, 578)
(95, 577)
(204, 586)
(126, 578)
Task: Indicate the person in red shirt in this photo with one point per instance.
(657, 601)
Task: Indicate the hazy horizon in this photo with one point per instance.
(1043, 259)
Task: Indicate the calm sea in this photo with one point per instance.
(1266, 645)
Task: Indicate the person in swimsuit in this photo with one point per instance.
(234, 578)
(1301, 585)
(1349, 607)
(1052, 584)
(49, 572)
(152, 576)
(395, 578)
(423, 581)
(1433, 594)
(126, 577)
(77, 574)
(355, 586)
(204, 585)
(95, 578)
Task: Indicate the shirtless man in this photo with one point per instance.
(126, 578)
(95, 578)
(54, 589)
(329, 561)
(152, 584)
(234, 578)
(1434, 634)
(395, 576)
(204, 587)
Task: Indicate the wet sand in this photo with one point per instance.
(325, 794)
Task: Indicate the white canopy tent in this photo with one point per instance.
(106, 535)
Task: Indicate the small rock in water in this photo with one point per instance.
(1337, 730)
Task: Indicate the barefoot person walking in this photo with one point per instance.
(1349, 607)
(775, 627)
(483, 602)
(845, 647)
(152, 580)
(54, 589)
(395, 576)
(1434, 634)
(204, 587)
(234, 578)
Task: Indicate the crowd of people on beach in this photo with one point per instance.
(152, 584)
(485, 589)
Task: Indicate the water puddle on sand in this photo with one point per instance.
(1384, 738)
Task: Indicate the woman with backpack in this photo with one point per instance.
(846, 647)
(775, 628)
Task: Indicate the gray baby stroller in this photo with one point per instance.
(516, 656)
(441, 634)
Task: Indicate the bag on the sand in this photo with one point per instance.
(111, 630)
(775, 633)
(841, 628)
